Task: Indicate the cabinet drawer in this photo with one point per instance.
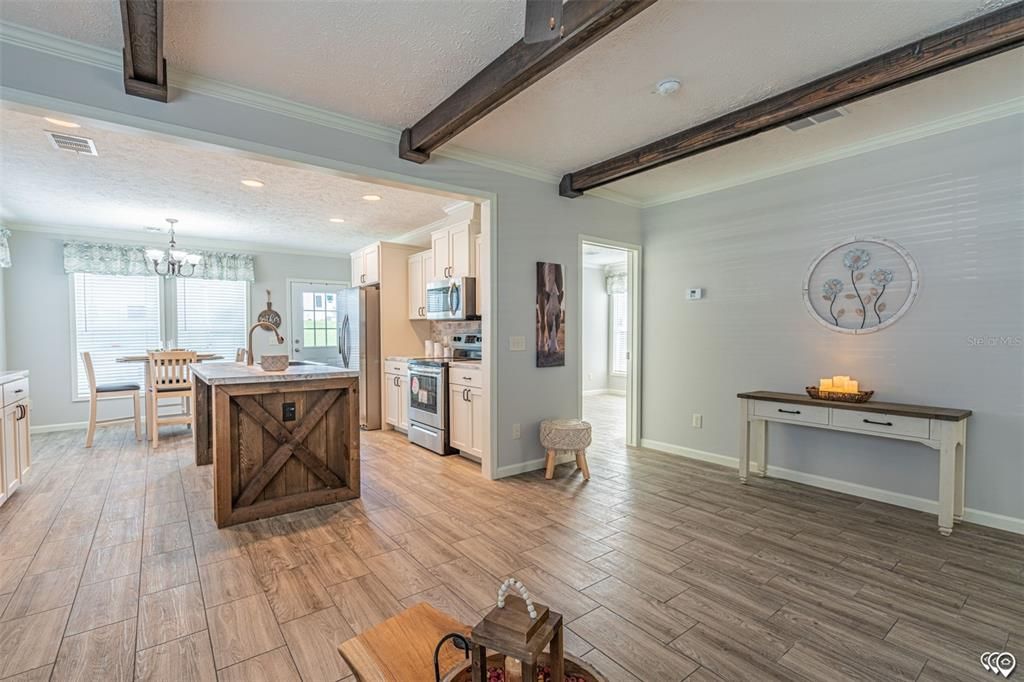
(881, 423)
(391, 367)
(15, 390)
(460, 376)
(812, 414)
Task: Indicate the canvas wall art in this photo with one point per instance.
(550, 315)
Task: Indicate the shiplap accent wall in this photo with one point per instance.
(955, 202)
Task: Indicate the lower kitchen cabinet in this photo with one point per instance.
(15, 446)
(396, 392)
(466, 419)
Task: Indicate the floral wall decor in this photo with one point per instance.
(861, 285)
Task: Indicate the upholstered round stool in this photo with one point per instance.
(565, 435)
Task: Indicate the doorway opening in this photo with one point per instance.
(610, 317)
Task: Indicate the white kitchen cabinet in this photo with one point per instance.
(366, 265)
(421, 271)
(15, 446)
(396, 392)
(453, 250)
(466, 411)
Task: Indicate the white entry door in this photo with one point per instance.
(314, 325)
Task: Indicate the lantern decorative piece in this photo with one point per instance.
(518, 628)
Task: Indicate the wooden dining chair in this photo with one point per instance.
(240, 355)
(169, 379)
(98, 392)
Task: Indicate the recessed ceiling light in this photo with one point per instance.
(61, 122)
(667, 87)
(337, 220)
(252, 183)
(371, 197)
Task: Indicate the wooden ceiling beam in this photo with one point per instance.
(978, 38)
(585, 21)
(145, 69)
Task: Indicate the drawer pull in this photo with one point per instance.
(19, 390)
(870, 421)
(789, 411)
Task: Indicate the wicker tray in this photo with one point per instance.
(858, 397)
(575, 671)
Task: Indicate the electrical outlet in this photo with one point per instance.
(698, 421)
(517, 343)
(288, 412)
(516, 432)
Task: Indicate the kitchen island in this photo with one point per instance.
(278, 441)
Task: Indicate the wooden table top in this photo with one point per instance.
(902, 409)
(145, 358)
(401, 648)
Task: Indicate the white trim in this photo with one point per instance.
(51, 428)
(595, 391)
(977, 516)
(64, 48)
(532, 465)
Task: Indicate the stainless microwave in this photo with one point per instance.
(452, 299)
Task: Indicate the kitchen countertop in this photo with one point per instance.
(465, 364)
(12, 374)
(217, 373)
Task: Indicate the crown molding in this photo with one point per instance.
(160, 240)
(92, 55)
(944, 125)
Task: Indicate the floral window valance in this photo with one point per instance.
(120, 259)
(5, 249)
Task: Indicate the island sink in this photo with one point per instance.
(278, 441)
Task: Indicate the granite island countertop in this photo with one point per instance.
(218, 373)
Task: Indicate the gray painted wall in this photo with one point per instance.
(595, 330)
(3, 323)
(39, 322)
(955, 202)
(534, 223)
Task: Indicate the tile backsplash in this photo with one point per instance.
(438, 330)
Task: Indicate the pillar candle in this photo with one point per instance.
(852, 386)
(825, 385)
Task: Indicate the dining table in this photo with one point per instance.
(144, 358)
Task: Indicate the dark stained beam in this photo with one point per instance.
(982, 37)
(145, 69)
(585, 21)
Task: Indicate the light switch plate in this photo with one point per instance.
(698, 421)
(694, 294)
(517, 343)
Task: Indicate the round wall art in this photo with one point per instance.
(861, 285)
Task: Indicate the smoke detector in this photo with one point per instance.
(667, 87)
(72, 143)
(820, 117)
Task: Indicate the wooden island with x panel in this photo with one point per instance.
(278, 441)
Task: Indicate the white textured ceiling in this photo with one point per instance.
(595, 256)
(139, 180)
(391, 62)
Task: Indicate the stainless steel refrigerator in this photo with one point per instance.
(359, 346)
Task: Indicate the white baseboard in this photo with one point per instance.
(978, 516)
(531, 465)
(51, 428)
(616, 391)
(603, 391)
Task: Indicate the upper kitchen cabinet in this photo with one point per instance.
(453, 249)
(421, 271)
(366, 265)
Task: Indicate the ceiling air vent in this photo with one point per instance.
(820, 117)
(72, 143)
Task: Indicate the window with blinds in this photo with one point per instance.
(114, 316)
(620, 332)
(211, 315)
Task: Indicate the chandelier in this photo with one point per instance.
(176, 263)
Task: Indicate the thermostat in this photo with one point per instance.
(694, 294)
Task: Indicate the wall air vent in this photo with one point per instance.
(72, 143)
(817, 118)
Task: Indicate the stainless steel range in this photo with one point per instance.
(428, 394)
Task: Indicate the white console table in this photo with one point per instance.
(939, 428)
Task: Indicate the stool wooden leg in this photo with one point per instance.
(549, 471)
(581, 462)
(136, 415)
(92, 421)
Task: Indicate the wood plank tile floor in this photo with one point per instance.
(666, 569)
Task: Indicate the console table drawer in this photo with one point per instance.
(799, 413)
(881, 423)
